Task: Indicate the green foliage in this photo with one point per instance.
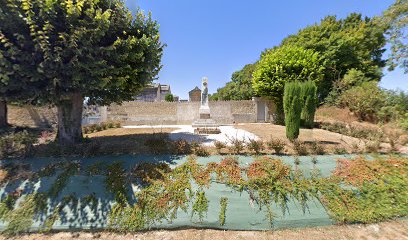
(97, 127)
(277, 145)
(237, 145)
(169, 97)
(300, 148)
(379, 191)
(352, 78)
(292, 104)
(223, 209)
(396, 19)
(281, 65)
(18, 144)
(64, 51)
(255, 146)
(364, 100)
(62, 180)
(343, 44)
(240, 87)
(116, 182)
(310, 101)
(219, 146)
(200, 205)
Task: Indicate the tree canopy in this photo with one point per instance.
(396, 19)
(76, 49)
(240, 86)
(353, 42)
(285, 64)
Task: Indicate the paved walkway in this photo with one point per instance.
(187, 132)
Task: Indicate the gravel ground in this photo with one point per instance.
(187, 132)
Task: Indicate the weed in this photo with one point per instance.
(300, 148)
(200, 206)
(219, 146)
(255, 146)
(181, 146)
(237, 145)
(340, 151)
(223, 209)
(277, 145)
(317, 149)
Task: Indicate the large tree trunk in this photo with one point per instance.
(70, 118)
(3, 114)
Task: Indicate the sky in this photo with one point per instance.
(214, 38)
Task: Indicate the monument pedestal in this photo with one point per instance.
(205, 125)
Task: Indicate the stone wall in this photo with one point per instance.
(30, 116)
(223, 112)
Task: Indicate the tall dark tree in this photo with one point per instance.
(353, 42)
(72, 49)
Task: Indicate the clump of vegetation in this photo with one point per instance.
(237, 145)
(292, 105)
(372, 146)
(70, 169)
(300, 148)
(158, 144)
(116, 179)
(200, 206)
(309, 100)
(97, 127)
(18, 144)
(219, 146)
(340, 150)
(380, 190)
(201, 151)
(317, 149)
(148, 172)
(181, 146)
(352, 131)
(228, 171)
(277, 145)
(223, 209)
(255, 146)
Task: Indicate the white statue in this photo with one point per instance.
(204, 92)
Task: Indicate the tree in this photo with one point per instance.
(169, 97)
(292, 104)
(93, 48)
(396, 20)
(15, 66)
(240, 86)
(282, 65)
(309, 102)
(353, 42)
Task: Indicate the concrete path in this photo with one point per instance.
(187, 132)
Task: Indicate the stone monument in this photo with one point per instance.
(205, 124)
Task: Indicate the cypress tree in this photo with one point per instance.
(292, 105)
(309, 98)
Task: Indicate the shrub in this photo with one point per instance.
(223, 209)
(317, 148)
(372, 146)
(157, 145)
(255, 145)
(292, 105)
(181, 146)
(309, 98)
(237, 145)
(340, 150)
(201, 151)
(219, 146)
(277, 145)
(300, 148)
(364, 100)
(16, 144)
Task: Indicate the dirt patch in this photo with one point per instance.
(386, 230)
(328, 139)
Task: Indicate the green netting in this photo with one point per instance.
(241, 214)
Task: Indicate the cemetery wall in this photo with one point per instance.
(30, 116)
(152, 113)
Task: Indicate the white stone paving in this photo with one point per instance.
(187, 132)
